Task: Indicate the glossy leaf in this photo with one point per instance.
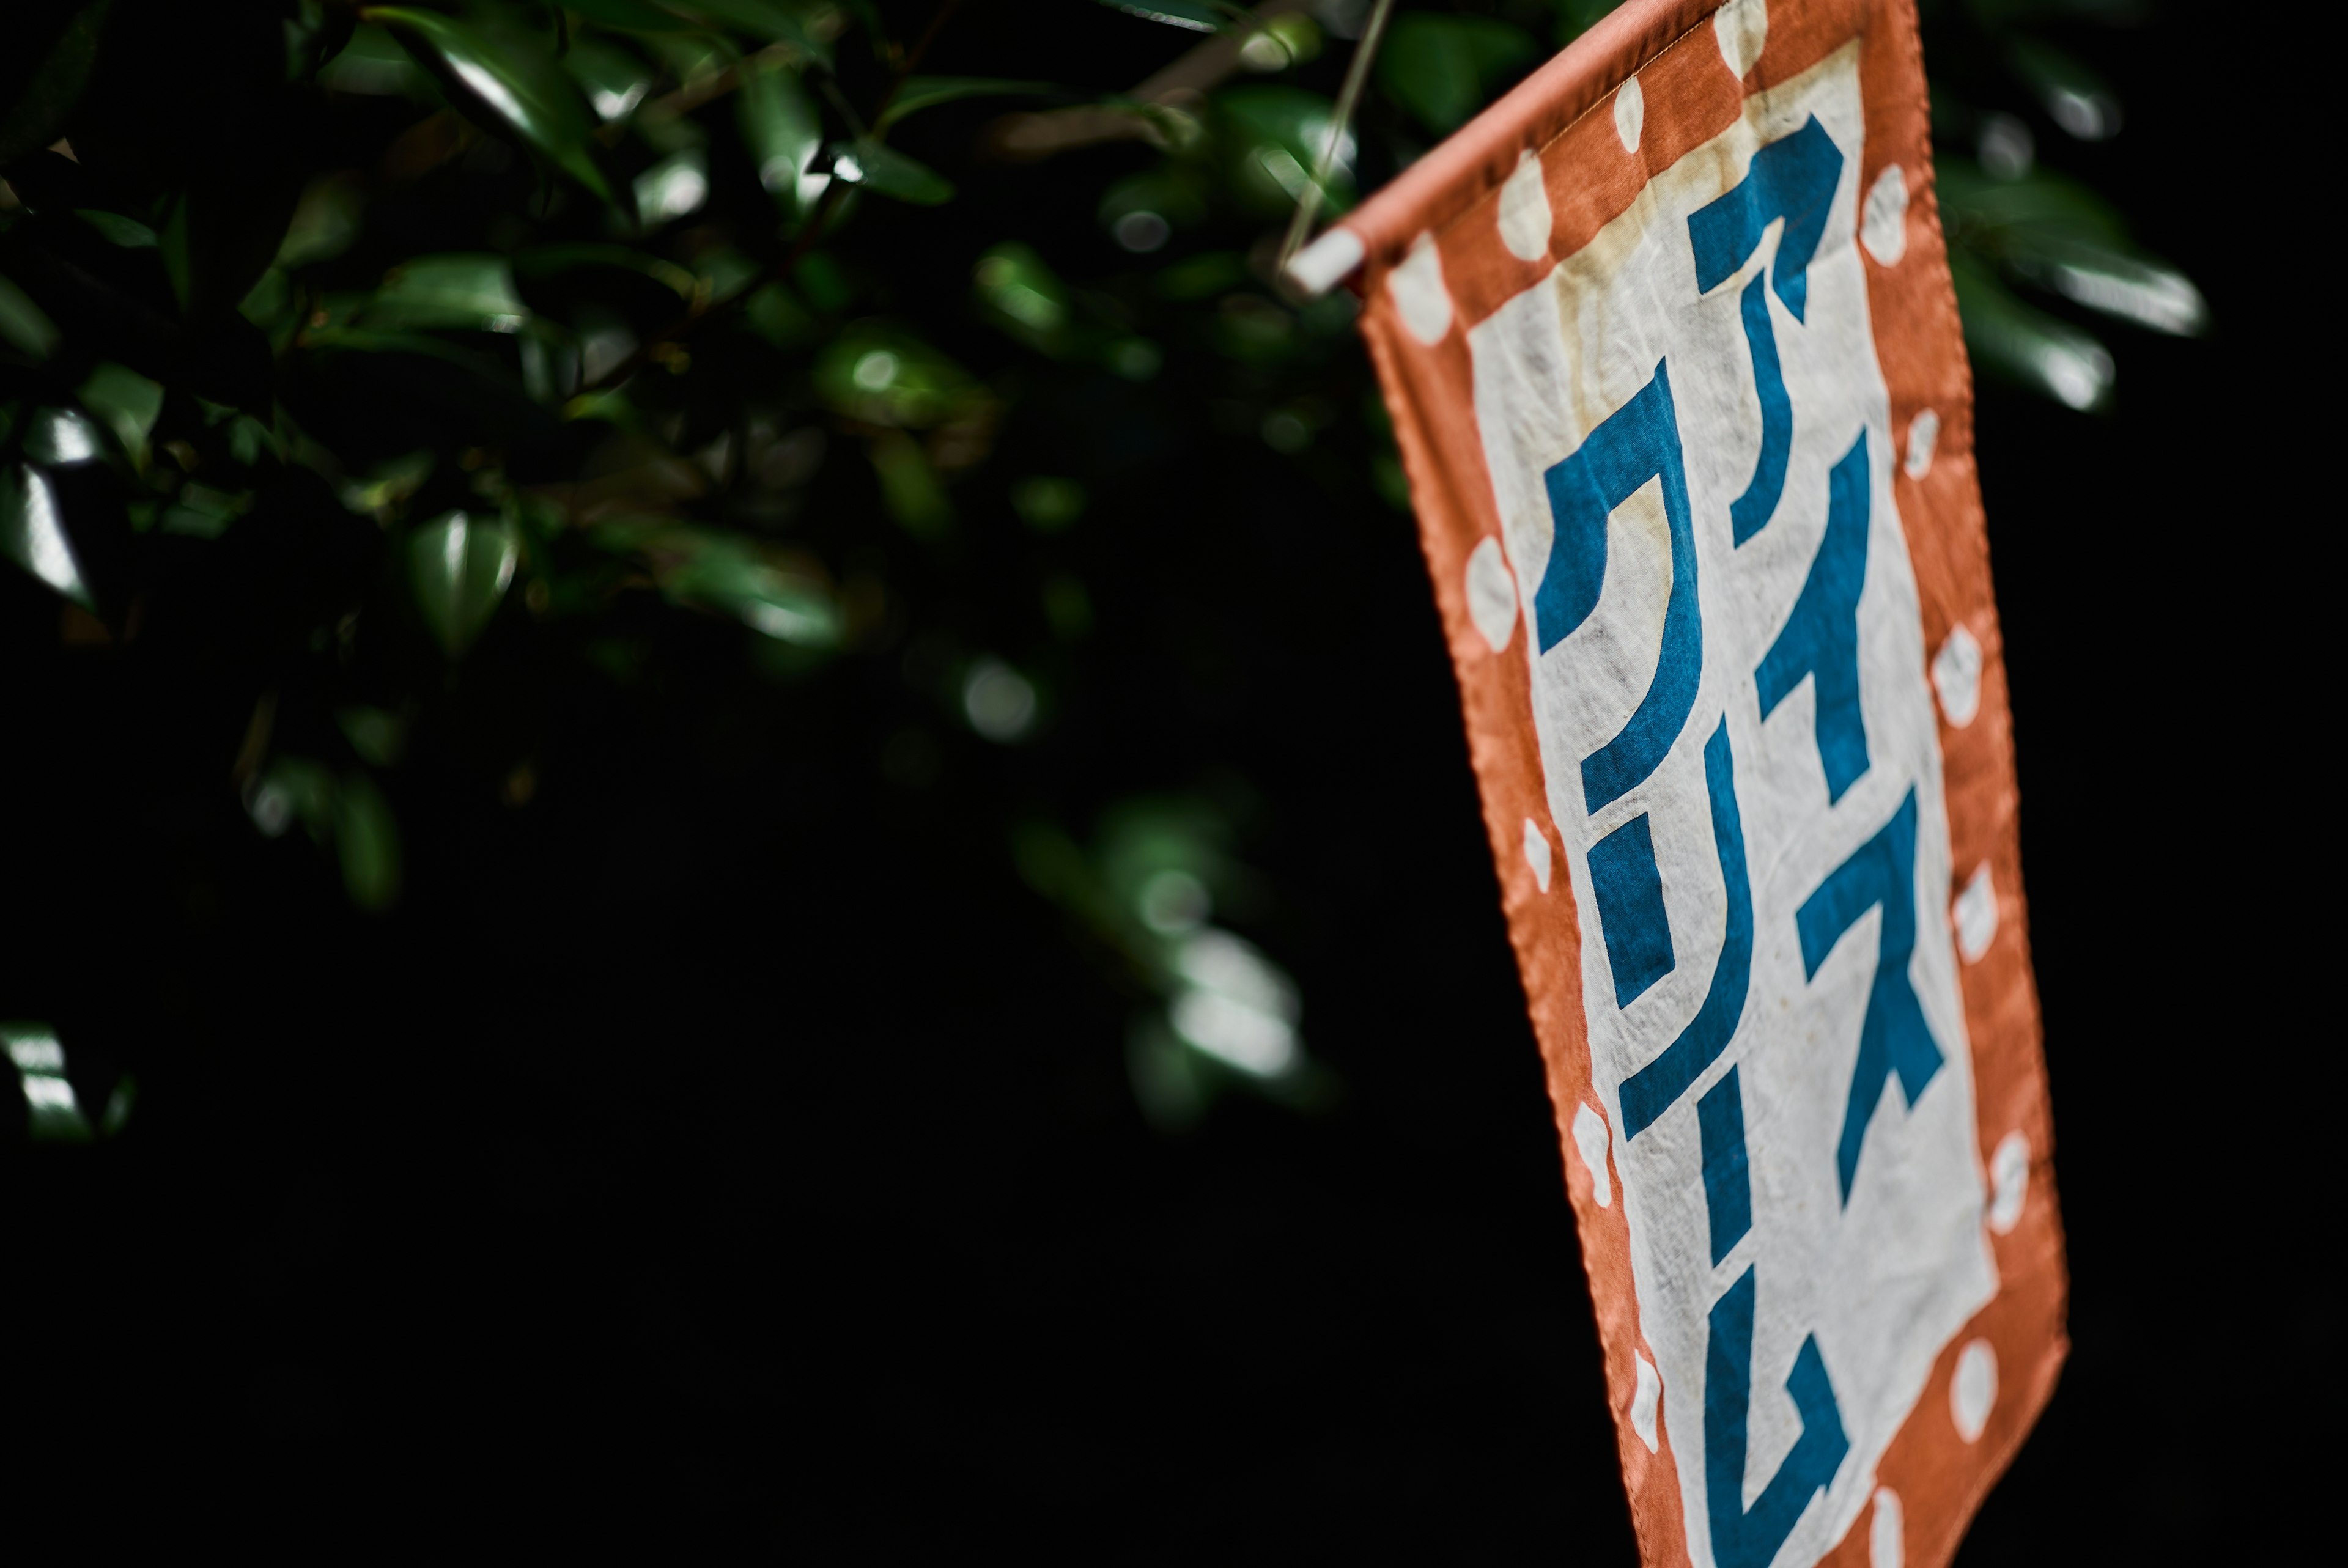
(883, 376)
(519, 89)
(1194, 15)
(2074, 97)
(461, 566)
(784, 134)
(2115, 283)
(60, 438)
(731, 575)
(1023, 296)
(918, 93)
(673, 188)
(614, 80)
(880, 168)
(52, 1114)
(2061, 237)
(1286, 130)
(462, 293)
(1440, 69)
(33, 532)
(2009, 338)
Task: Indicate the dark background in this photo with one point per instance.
(727, 1154)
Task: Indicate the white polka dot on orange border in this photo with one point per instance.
(1956, 676)
(1419, 296)
(1886, 1533)
(2009, 1182)
(1537, 854)
(1924, 435)
(1974, 915)
(1491, 593)
(1525, 217)
(1742, 27)
(1972, 1391)
(1590, 1141)
(1883, 227)
(1646, 1403)
(1630, 112)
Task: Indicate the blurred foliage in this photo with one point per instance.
(473, 338)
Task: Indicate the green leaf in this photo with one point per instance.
(378, 737)
(731, 575)
(373, 65)
(22, 325)
(2115, 283)
(881, 374)
(1439, 68)
(552, 261)
(614, 80)
(325, 221)
(1284, 130)
(878, 167)
(2010, 338)
(776, 315)
(461, 293)
(126, 233)
(909, 486)
(759, 19)
(1193, 16)
(127, 402)
(2062, 237)
(203, 512)
(52, 1114)
(2075, 97)
(294, 789)
(60, 438)
(514, 80)
(45, 95)
(629, 16)
(461, 566)
(1974, 206)
(366, 842)
(783, 132)
(33, 532)
(1023, 295)
(1049, 504)
(1203, 276)
(673, 188)
(918, 93)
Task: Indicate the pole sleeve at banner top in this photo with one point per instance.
(1673, 360)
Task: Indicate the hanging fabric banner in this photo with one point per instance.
(1675, 365)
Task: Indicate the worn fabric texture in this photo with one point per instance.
(1675, 368)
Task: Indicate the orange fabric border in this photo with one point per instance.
(1451, 194)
